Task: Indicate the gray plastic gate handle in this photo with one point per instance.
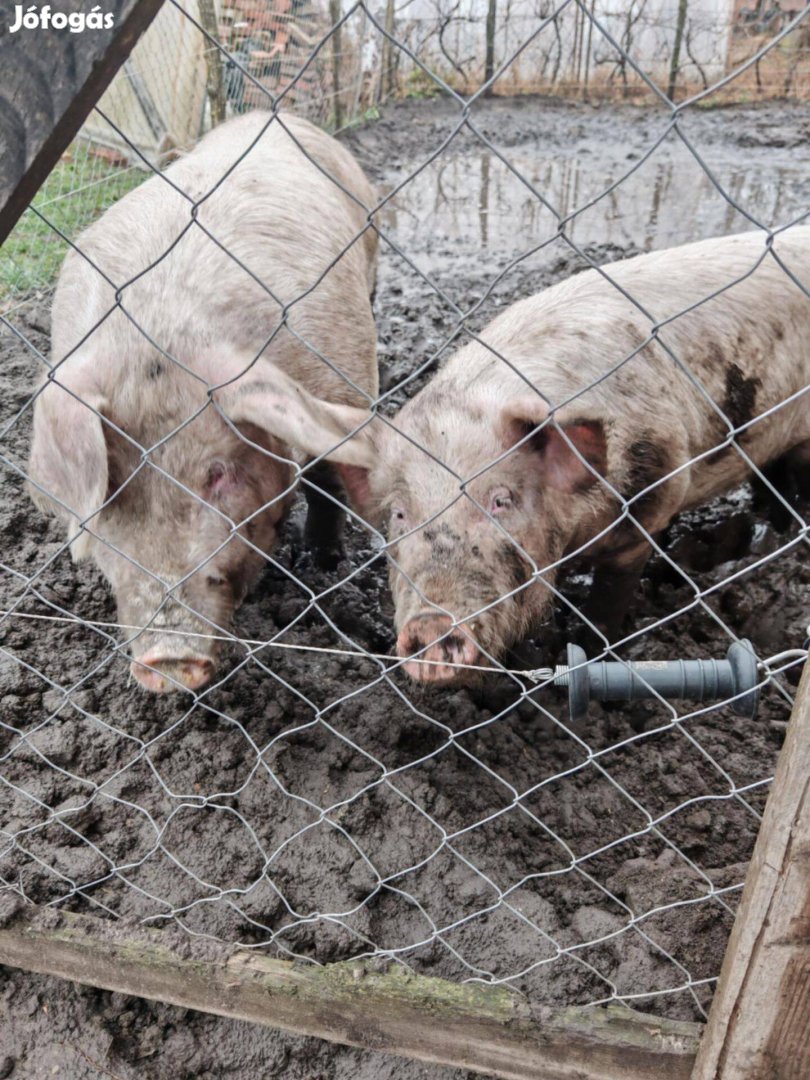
(696, 680)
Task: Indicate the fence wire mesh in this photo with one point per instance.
(316, 796)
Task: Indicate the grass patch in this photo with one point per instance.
(78, 190)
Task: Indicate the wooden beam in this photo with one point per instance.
(215, 82)
(759, 1024)
(50, 81)
(483, 1028)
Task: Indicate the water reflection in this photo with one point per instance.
(466, 202)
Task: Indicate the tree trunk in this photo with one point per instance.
(489, 62)
(676, 48)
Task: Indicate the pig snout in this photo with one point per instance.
(439, 646)
(175, 653)
(166, 662)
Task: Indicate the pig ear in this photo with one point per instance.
(285, 410)
(68, 469)
(568, 452)
(356, 481)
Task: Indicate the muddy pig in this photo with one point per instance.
(220, 265)
(578, 424)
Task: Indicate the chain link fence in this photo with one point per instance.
(201, 61)
(308, 790)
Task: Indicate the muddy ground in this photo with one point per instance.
(309, 805)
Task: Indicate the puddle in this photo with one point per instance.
(466, 203)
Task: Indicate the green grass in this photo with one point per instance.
(79, 189)
(420, 85)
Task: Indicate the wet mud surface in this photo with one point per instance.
(311, 805)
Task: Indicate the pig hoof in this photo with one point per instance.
(327, 558)
(593, 641)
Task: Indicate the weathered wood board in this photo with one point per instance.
(759, 1025)
(487, 1029)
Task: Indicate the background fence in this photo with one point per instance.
(314, 803)
(177, 80)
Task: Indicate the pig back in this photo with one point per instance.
(243, 245)
(611, 346)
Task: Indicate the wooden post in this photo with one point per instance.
(759, 1025)
(484, 1028)
(51, 80)
(335, 15)
(215, 84)
(387, 79)
(354, 107)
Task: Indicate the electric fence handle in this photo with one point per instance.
(734, 678)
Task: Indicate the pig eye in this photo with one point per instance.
(500, 500)
(398, 518)
(220, 481)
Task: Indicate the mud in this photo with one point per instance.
(309, 805)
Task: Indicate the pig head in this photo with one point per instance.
(174, 505)
(476, 510)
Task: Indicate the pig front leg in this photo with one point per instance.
(798, 461)
(323, 532)
(614, 588)
(790, 476)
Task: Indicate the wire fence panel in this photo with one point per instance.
(358, 751)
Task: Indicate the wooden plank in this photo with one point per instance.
(486, 1029)
(50, 81)
(759, 1024)
(215, 84)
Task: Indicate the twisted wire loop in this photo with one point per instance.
(314, 802)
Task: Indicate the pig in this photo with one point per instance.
(252, 253)
(578, 423)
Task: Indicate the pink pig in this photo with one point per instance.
(174, 291)
(577, 424)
